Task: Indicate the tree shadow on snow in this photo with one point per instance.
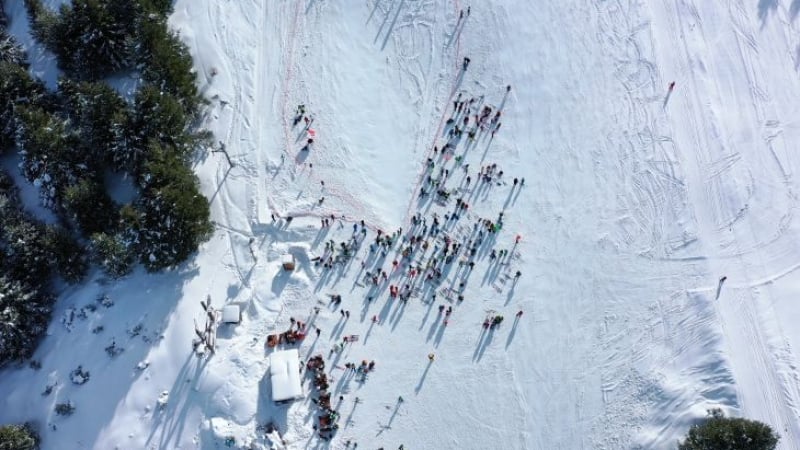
(171, 420)
(279, 282)
(142, 301)
(268, 411)
(764, 8)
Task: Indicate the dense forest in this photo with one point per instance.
(70, 141)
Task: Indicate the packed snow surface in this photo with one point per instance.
(637, 201)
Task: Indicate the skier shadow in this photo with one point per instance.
(666, 99)
(343, 386)
(321, 235)
(456, 31)
(398, 313)
(388, 425)
(374, 8)
(439, 335)
(391, 27)
(417, 388)
(794, 9)
(369, 331)
(483, 342)
(337, 330)
(510, 197)
(434, 326)
(491, 273)
(459, 80)
(510, 294)
(302, 155)
(430, 307)
(764, 6)
(323, 280)
(512, 332)
(349, 419)
(310, 4)
(312, 347)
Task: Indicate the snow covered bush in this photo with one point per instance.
(18, 437)
(718, 432)
(65, 409)
(79, 376)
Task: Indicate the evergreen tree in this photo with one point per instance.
(90, 38)
(9, 201)
(27, 255)
(97, 112)
(718, 432)
(65, 254)
(113, 254)
(160, 7)
(17, 89)
(168, 64)
(87, 203)
(24, 314)
(157, 117)
(10, 50)
(173, 215)
(52, 156)
(43, 22)
(33, 252)
(18, 437)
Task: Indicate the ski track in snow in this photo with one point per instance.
(636, 201)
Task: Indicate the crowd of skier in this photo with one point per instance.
(433, 257)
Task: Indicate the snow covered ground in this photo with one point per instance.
(636, 202)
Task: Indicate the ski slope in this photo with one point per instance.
(636, 201)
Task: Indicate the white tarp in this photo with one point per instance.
(284, 371)
(231, 314)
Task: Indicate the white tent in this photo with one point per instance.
(284, 371)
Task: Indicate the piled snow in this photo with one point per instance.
(636, 201)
